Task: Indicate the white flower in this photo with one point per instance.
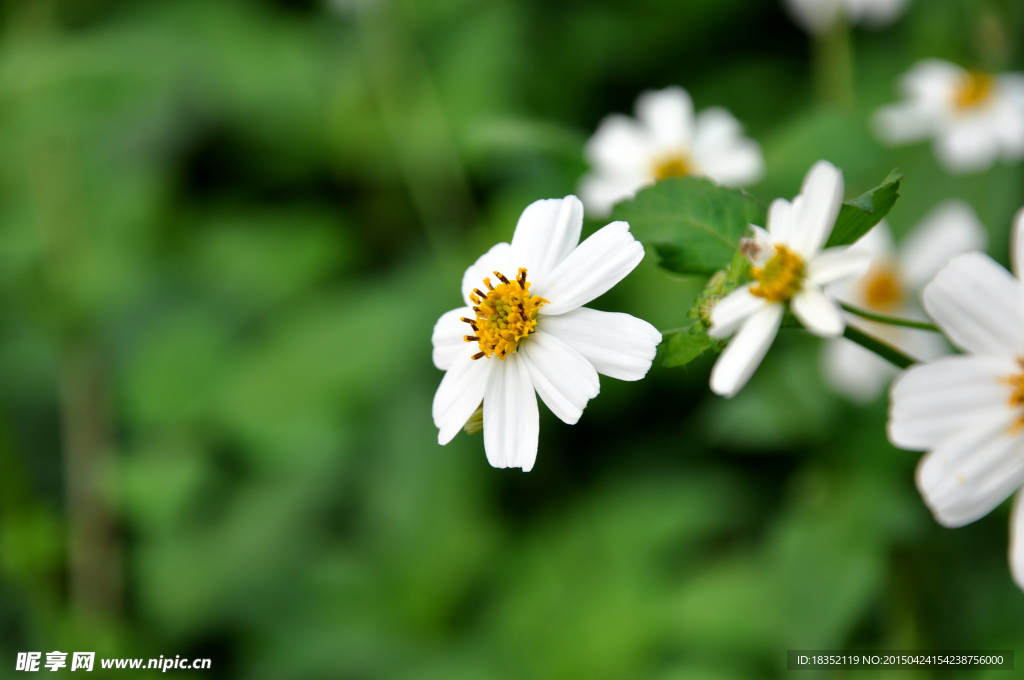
(665, 140)
(891, 286)
(817, 16)
(975, 118)
(789, 267)
(530, 333)
(967, 411)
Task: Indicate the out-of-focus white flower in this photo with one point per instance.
(967, 411)
(530, 334)
(891, 286)
(665, 140)
(974, 118)
(789, 267)
(817, 16)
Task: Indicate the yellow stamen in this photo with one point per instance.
(882, 290)
(974, 89)
(781, 278)
(677, 165)
(505, 315)
(1017, 395)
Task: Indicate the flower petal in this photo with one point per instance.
(511, 418)
(780, 220)
(668, 115)
(600, 191)
(904, 123)
(950, 229)
(967, 476)
(498, 258)
(815, 16)
(822, 196)
(722, 153)
(837, 264)
(1017, 243)
(930, 403)
(731, 311)
(968, 146)
(933, 82)
(547, 232)
(817, 313)
(1017, 540)
(979, 305)
(746, 350)
(562, 377)
(592, 269)
(460, 393)
(618, 345)
(620, 145)
(448, 337)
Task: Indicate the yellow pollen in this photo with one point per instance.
(974, 89)
(781, 278)
(505, 315)
(882, 290)
(1016, 382)
(672, 166)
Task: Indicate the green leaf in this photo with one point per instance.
(858, 216)
(694, 225)
(683, 345)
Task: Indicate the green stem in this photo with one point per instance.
(890, 320)
(887, 352)
(832, 55)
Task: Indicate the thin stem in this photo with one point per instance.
(890, 320)
(887, 352)
(832, 54)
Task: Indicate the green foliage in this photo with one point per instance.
(856, 217)
(247, 216)
(694, 224)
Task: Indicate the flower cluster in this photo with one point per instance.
(524, 330)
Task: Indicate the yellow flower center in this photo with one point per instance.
(1016, 382)
(781, 278)
(676, 165)
(974, 89)
(882, 290)
(505, 315)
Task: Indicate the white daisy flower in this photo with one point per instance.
(665, 140)
(524, 330)
(789, 267)
(974, 118)
(817, 16)
(892, 286)
(967, 411)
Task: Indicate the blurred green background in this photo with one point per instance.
(226, 230)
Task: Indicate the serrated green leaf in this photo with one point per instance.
(686, 344)
(694, 224)
(858, 216)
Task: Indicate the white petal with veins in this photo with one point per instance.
(618, 345)
(746, 350)
(511, 418)
(547, 232)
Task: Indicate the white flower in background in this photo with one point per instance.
(524, 330)
(974, 118)
(817, 16)
(967, 411)
(665, 140)
(891, 286)
(789, 267)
